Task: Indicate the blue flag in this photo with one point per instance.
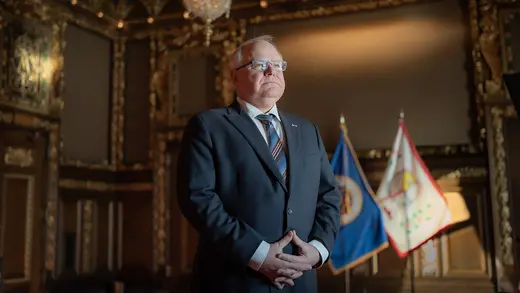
(362, 234)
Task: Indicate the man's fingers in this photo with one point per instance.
(278, 285)
(285, 240)
(296, 240)
(291, 258)
(284, 280)
(297, 266)
(297, 275)
(286, 272)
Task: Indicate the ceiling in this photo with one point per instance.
(143, 14)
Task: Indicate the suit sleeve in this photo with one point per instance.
(201, 205)
(327, 217)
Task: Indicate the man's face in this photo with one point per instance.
(261, 88)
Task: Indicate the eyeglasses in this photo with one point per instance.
(262, 65)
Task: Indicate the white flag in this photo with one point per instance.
(413, 207)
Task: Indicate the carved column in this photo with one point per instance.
(54, 150)
(160, 212)
(51, 210)
(489, 62)
(118, 103)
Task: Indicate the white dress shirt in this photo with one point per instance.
(261, 252)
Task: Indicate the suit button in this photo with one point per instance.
(289, 211)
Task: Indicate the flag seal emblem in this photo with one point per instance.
(351, 199)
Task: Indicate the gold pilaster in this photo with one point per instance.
(52, 201)
(87, 240)
(500, 187)
(152, 98)
(118, 103)
(160, 213)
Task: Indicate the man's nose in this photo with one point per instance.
(269, 71)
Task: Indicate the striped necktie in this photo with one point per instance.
(275, 143)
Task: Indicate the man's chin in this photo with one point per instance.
(272, 94)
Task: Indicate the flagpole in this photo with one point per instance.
(343, 127)
(407, 224)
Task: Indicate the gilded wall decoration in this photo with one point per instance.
(63, 11)
(51, 210)
(101, 186)
(503, 240)
(507, 18)
(489, 42)
(21, 119)
(28, 67)
(87, 241)
(159, 81)
(118, 103)
(161, 213)
(18, 157)
(499, 186)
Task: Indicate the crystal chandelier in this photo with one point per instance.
(208, 11)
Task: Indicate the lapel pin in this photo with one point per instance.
(294, 125)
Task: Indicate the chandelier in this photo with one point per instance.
(208, 11)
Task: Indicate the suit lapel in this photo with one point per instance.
(292, 136)
(239, 119)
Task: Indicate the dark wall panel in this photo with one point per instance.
(137, 105)
(86, 123)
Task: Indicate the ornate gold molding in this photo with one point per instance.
(331, 10)
(61, 11)
(499, 186)
(443, 175)
(12, 117)
(51, 211)
(157, 86)
(18, 157)
(104, 166)
(160, 207)
(28, 229)
(104, 186)
(486, 50)
(462, 173)
(506, 18)
(118, 103)
(87, 240)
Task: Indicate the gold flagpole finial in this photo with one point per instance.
(343, 123)
(401, 115)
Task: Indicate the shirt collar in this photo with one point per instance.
(253, 111)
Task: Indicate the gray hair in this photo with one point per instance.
(237, 56)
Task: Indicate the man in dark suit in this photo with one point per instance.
(257, 185)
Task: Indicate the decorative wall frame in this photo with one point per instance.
(29, 224)
(500, 192)
(31, 64)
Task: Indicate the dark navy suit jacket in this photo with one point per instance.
(230, 190)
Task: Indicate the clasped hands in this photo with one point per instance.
(281, 268)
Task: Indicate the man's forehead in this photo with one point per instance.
(261, 49)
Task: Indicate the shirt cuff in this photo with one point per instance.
(259, 256)
(324, 253)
